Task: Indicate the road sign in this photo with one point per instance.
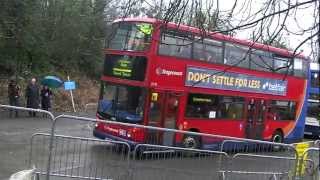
(69, 85)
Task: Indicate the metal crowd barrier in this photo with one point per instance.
(259, 167)
(163, 162)
(43, 112)
(160, 157)
(156, 147)
(78, 157)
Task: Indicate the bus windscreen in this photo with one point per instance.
(121, 103)
(130, 36)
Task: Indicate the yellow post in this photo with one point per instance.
(301, 148)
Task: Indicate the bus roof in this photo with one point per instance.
(217, 35)
(314, 67)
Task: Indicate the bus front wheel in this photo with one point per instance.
(191, 142)
(277, 137)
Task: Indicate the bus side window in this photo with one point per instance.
(272, 114)
(232, 112)
(222, 112)
(251, 109)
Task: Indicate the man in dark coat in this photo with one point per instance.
(32, 96)
(13, 95)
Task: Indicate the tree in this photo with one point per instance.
(46, 36)
(41, 37)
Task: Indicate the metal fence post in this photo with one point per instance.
(51, 145)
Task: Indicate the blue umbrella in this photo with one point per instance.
(52, 81)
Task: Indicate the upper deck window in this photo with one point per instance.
(283, 65)
(186, 45)
(236, 55)
(176, 44)
(300, 68)
(208, 50)
(261, 60)
(130, 36)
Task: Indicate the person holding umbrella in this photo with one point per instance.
(32, 96)
(46, 95)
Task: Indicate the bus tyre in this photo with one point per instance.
(277, 137)
(191, 142)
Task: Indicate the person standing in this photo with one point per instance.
(46, 95)
(13, 95)
(32, 96)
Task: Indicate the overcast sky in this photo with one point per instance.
(297, 21)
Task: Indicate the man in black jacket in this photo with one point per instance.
(32, 96)
(13, 95)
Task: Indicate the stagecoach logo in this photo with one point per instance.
(160, 71)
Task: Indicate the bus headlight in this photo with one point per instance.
(128, 135)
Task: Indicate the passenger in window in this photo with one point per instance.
(272, 113)
(209, 57)
(199, 112)
(154, 112)
(205, 111)
(232, 112)
(239, 110)
(200, 54)
(172, 106)
(138, 45)
(183, 51)
(222, 112)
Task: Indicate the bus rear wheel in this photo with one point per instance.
(191, 142)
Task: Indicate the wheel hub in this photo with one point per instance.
(277, 138)
(189, 142)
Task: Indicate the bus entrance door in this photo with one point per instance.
(156, 108)
(170, 118)
(163, 110)
(255, 118)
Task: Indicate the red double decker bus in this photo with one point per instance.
(171, 76)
